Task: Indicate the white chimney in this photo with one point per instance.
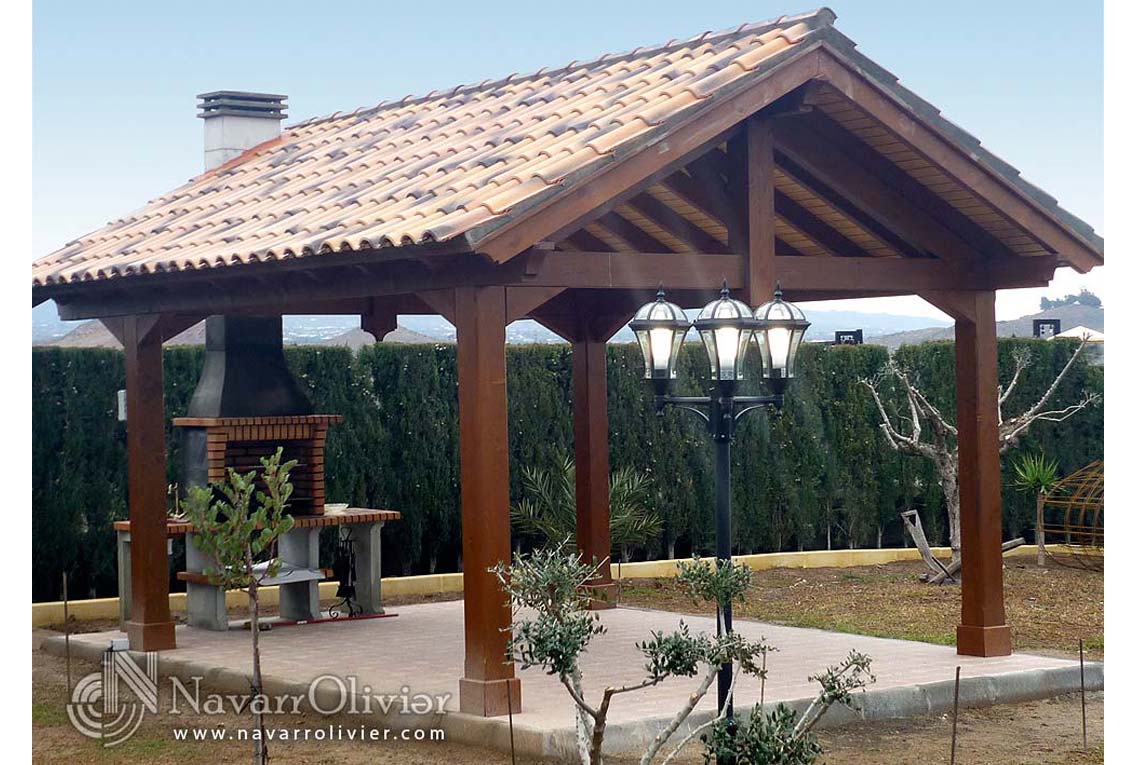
(236, 121)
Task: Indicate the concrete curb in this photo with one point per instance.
(47, 614)
(634, 736)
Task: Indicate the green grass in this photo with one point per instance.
(48, 715)
(839, 625)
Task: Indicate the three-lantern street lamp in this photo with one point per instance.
(726, 327)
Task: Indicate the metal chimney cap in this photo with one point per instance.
(240, 103)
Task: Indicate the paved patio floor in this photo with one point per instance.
(421, 648)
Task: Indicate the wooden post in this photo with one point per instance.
(488, 687)
(760, 211)
(150, 627)
(590, 442)
(983, 627)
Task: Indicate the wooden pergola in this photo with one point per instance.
(773, 152)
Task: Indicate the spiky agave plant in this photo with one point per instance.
(1036, 473)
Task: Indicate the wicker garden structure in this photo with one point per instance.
(771, 152)
(1073, 515)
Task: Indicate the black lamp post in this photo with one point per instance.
(726, 326)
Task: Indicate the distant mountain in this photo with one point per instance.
(47, 329)
(357, 338)
(92, 334)
(1070, 315)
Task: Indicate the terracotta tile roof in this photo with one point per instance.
(423, 169)
(454, 166)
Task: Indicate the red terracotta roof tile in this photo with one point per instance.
(424, 169)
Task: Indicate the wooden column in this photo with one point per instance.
(150, 627)
(590, 443)
(760, 275)
(479, 315)
(983, 627)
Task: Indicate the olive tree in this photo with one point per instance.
(554, 628)
(237, 524)
(905, 430)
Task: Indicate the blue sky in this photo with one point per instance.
(114, 125)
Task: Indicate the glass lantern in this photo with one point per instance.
(780, 329)
(660, 327)
(726, 326)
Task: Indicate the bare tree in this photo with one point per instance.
(905, 431)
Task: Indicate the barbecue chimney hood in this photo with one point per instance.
(245, 374)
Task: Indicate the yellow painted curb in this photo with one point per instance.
(47, 614)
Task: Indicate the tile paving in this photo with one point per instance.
(422, 648)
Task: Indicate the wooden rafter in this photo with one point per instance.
(629, 232)
(816, 229)
(847, 207)
(844, 162)
(671, 221)
(584, 240)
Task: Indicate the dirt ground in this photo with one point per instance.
(1039, 733)
(1048, 609)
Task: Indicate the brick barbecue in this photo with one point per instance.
(241, 442)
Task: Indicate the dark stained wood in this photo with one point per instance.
(583, 240)
(816, 229)
(150, 627)
(379, 320)
(884, 191)
(590, 446)
(484, 454)
(910, 275)
(441, 301)
(631, 233)
(983, 628)
(696, 272)
(522, 301)
(707, 191)
(670, 220)
(865, 220)
(762, 204)
(1010, 202)
(781, 248)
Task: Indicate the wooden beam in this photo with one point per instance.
(441, 301)
(850, 209)
(983, 627)
(522, 301)
(808, 224)
(488, 687)
(883, 191)
(632, 234)
(909, 275)
(150, 627)
(944, 153)
(668, 219)
(646, 163)
(583, 240)
(705, 190)
(856, 177)
(782, 249)
(378, 320)
(761, 205)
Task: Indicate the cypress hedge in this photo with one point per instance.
(816, 474)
